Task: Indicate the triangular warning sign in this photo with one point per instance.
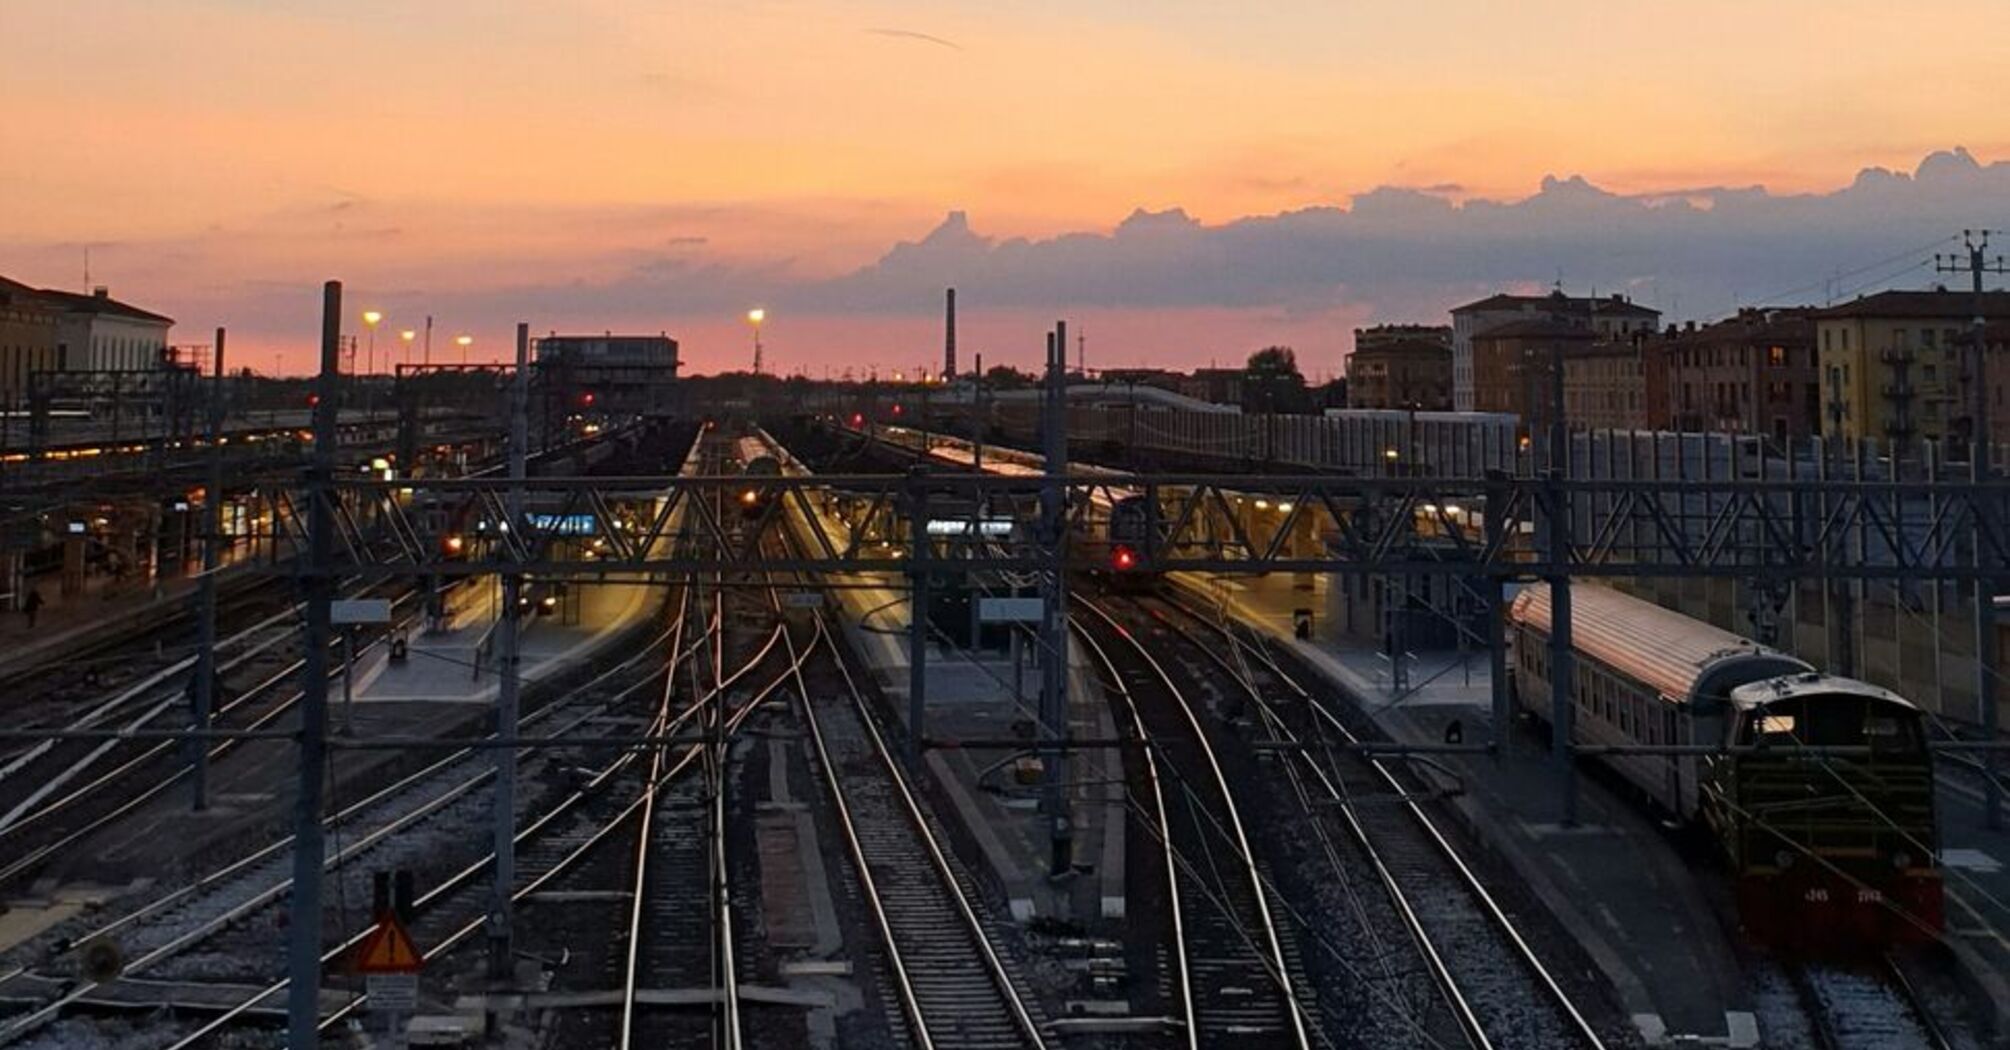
(388, 949)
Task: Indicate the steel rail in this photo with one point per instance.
(1471, 879)
(1434, 961)
(1115, 682)
(917, 820)
(272, 892)
(224, 746)
(1280, 971)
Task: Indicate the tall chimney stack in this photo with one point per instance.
(949, 339)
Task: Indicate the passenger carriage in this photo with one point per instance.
(1829, 849)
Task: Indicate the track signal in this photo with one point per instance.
(1123, 558)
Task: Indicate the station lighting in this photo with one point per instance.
(749, 498)
(1285, 507)
(454, 544)
(1390, 453)
(1263, 504)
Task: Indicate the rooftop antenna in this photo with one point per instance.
(87, 269)
(1081, 353)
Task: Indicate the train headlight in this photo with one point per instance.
(1901, 860)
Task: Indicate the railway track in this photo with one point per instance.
(74, 788)
(211, 929)
(954, 987)
(953, 983)
(1872, 1008)
(1496, 988)
(1239, 978)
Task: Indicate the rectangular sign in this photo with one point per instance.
(1008, 610)
(359, 610)
(564, 524)
(803, 599)
(393, 991)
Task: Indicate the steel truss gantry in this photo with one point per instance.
(1491, 527)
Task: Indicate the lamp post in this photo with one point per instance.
(755, 317)
(464, 341)
(371, 318)
(406, 338)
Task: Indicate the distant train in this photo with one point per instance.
(756, 461)
(1135, 535)
(1829, 850)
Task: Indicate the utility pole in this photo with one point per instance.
(1054, 619)
(303, 991)
(212, 528)
(501, 958)
(1976, 244)
(977, 418)
(1562, 668)
(917, 621)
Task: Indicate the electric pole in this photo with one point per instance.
(1974, 259)
(1054, 618)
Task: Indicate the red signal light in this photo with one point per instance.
(896, 410)
(858, 419)
(314, 401)
(586, 399)
(1123, 559)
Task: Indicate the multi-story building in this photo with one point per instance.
(1998, 378)
(1754, 373)
(628, 374)
(1401, 366)
(1613, 319)
(1604, 386)
(1512, 365)
(27, 339)
(97, 333)
(1893, 365)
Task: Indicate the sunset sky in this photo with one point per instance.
(664, 165)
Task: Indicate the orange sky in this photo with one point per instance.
(213, 148)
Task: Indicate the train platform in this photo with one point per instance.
(1975, 862)
(458, 664)
(1615, 880)
(972, 696)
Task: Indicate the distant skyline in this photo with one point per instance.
(1287, 173)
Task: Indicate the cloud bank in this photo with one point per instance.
(1159, 286)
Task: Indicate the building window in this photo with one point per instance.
(1932, 373)
(1845, 339)
(1776, 356)
(1925, 337)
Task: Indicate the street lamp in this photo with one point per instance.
(755, 317)
(464, 341)
(370, 321)
(406, 337)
